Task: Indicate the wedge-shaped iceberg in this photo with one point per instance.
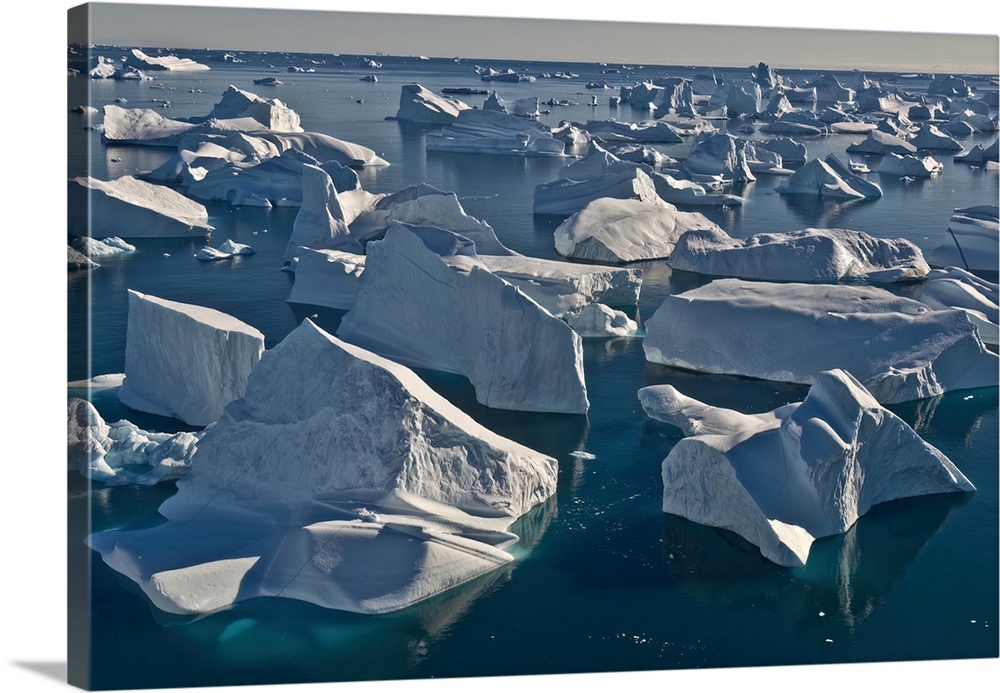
(566, 196)
(879, 142)
(426, 300)
(899, 348)
(930, 137)
(185, 361)
(330, 278)
(912, 166)
(417, 104)
(121, 452)
(783, 479)
(130, 208)
(953, 287)
(818, 178)
(340, 479)
(810, 255)
(972, 240)
(612, 230)
(854, 181)
(980, 155)
(142, 61)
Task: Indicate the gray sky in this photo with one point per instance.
(313, 30)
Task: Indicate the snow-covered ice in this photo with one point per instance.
(454, 315)
(597, 320)
(908, 165)
(898, 347)
(818, 178)
(972, 240)
(320, 222)
(130, 208)
(141, 61)
(102, 247)
(806, 470)
(954, 287)
(341, 479)
(185, 361)
(810, 255)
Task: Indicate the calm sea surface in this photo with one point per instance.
(604, 581)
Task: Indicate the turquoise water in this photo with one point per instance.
(604, 581)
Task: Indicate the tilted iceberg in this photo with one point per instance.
(130, 208)
(417, 104)
(456, 316)
(810, 255)
(899, 348)
(565, 196)
(185, 361)
(806, 470)
(879, 142)
(613, 230)
(930, 137)
(121, 452)
(972, 240)
(341, 479)
(854, 181)
(142, 61)
(818, 178)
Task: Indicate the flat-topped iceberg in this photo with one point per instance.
(185, 361)
(565, 196)
(972, 240)
(341, 479)
(899, 348)
(911, 166)
(141, 61)
(954, 287)
(456, 316)
(130, 208)
(417, 104)
(650, 131)
(818, 178)
(810, 255)
(785, 478)
(121, 452)
(493, 132)
(613, 230)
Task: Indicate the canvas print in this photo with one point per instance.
(412, 347)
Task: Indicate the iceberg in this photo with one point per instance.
(646, 132)
(76, 260)
(898, 347)
(140, 61)
(954, 87)
(271, 114)
(210, 254)
(492, 132)
(850, 175)
(320, 223)
(130, 208)
(790, 151)
(980, 155)
(879, 142)
(185, 361)
(103, 68)
(456, 316)
(928, 136)
(524, 108)
(735, 159)
(94, 247)
(417, 104)
(810, 255)
(829, 88)
(123, 453)
(954, 287)
(326, 278)
(972, 240)
(915, 167)
(564, 197)
(806, 470)
(613, 230)
(598, 321)
(820, 179)
(141, 126)
(340, 479)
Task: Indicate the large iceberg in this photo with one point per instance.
(130, 208)
(818, 178)
(650, 131)
(930, 137)
(185, 361)
(141, 126)
(341, 479)
(854, 181)
(810, 255)
(954, 287)
(972, 240)
(271, 114)
(417, 104)
(121, 452)
(565, 196)
(899, 348)
(320, 222)
(806, 470)
(456, 316)
(613, 230)
(879, 142)
(493, 132)
(141, 61)
(911, 166)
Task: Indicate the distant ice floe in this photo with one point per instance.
(130, 208)
(341, 479)
(123, 453)
(810, 255)
(613, 230)
(899, 348)
(466, 320)
(185, 361)
(417, 104)
(807, 470)
(141, 61)
(954, 287)
(972, 240)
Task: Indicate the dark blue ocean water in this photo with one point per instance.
(605, 581)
